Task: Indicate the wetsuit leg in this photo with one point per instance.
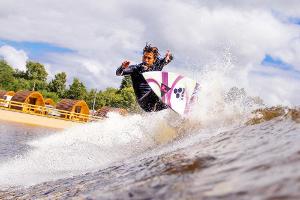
(160, 106)
(151, 103)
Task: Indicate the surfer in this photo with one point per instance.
(151, 61)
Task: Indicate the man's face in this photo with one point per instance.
(148, 59)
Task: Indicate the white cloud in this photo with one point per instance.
(199, 33)
(276, 90)
(15, 58)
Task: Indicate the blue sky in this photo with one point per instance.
(295, 20)
(272, 61)
(276, 63)
(35, 50)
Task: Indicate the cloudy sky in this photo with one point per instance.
(256, 44)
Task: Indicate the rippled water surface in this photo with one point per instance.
(13, 138)
(258, 161)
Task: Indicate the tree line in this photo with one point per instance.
(35, 78)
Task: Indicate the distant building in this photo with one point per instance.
(78, 107)
(28, 98)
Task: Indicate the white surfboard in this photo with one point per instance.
(177, 91)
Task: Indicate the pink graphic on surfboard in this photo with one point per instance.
(177, 91)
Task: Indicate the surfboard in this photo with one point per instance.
(177, 91)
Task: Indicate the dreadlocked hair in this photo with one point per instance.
(149, 49)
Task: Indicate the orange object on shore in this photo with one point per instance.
(29, 98)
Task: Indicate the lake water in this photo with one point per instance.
(153, 156)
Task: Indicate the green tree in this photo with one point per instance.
(20, 74)
(77, 90)
(127, 94)
(129, 100)
(6, 75)
(126, 82)
(89, 98)
(37, 85)
(20, 84)
(52, 95)
(111, 98)
(37, 74)
(119, 98)
(58, 84)
(36, 71)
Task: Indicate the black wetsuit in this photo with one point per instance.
(146, 98)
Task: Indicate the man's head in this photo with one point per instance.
(150, 55)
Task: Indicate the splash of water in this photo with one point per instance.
(220, 103)
(80, 149)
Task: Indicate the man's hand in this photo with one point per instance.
(168, 56)
(125, 64)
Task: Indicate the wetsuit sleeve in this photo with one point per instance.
(127, 71)
(163, 62)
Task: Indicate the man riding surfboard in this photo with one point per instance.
(146, 98)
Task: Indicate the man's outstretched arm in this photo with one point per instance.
(164, 61)
(125, 69)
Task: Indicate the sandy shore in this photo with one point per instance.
(35, 120)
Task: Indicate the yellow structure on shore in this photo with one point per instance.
(74, 106)
(50, 102)
(28, 99)
(33, 105)
(9, 93)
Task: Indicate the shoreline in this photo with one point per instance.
(35, 120)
